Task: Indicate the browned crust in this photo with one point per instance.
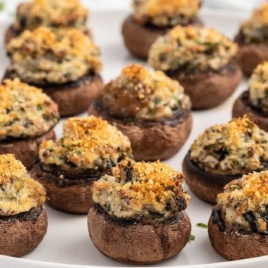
(204, 185)
(19, 237)
(75, 198)
(237, 245)
(139, 39)
(26, 150)
(209, 89)
(133, 242)
(11, 33)
(242, 107)
(74, 97)
(151, 141)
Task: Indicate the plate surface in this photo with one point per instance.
(67, 243)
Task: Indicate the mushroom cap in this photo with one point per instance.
(133, 242)
(242, 107)
(75, 198)
(203, 184)
(209, 89)
(22, 233)
(169, 136)
(26, 150)
(237, 245)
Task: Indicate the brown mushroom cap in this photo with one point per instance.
(73, 97)
(26, 150)
(22, 233)
(139, 38)
(169, 135)
(137, 243)
(237, 245)
(242, 107)
(12, 33)
(73, 195)
(250, 55)
(209, 89)
(203, 184)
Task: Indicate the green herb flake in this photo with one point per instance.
(202, 225)
(157, 100)
(78, 152)
(234, 187)
(191, 238)
(2, 5)
(39, 107)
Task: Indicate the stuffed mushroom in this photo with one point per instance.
(68, 167)
(149, 108)
(139, 213)
(153, 18)
(49, 13)
(238, 224)
(27, 117)
(255, 100)
(202, 60)
(23, 219)
(224, 153)
(64, 63)
(252, 40)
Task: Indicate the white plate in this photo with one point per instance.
(67, 240)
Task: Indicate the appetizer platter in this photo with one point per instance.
(67, 242)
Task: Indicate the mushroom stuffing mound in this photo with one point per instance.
(224, 153)
(202, 60)
(153, 18)
(139, 213)
(68, 167)
(27, 117)
(23, 219)
(253, 40)
(64, 63)
(255, 100)
(48, 13)
(149, 108)
(238, 224)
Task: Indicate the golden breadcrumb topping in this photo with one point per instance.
(244, 203)
(237, 147)
(163, 13)
(255, 29)
(18, 192)
(50, 13)
(53, 56)
(140, 94)
(87, 143)
(141, 191)
(25, 112)
(258, 87)
(191, 49)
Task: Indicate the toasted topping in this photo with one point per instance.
(244, 203)
(237, 147)
(50, 13)
(47, 56)
(140, 94)
(191, 49)
(163, 13)
(25, 112)
(255, 30)
(258, 87)
(18, 192)
(87, 143)
(141, 191)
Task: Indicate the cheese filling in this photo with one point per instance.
(140, 94)
(18, 192)
(237, 147)
(146, 192)
(191, 49)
